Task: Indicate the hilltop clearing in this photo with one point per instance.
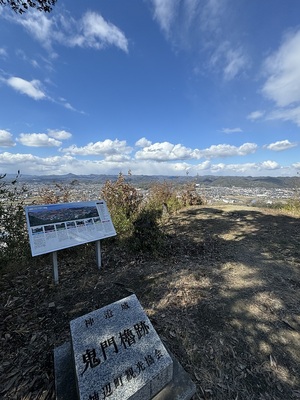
(224, 296)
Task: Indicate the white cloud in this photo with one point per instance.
(228, 59)
(283, 69)
(3, 53)
(60, 135)
(38, 140)
(13, 159)
(6, 139)
(35, 90)
(285, 114)
(231, 130)
(117, 158)
(255, 115)
(165, 12)
(201, 27)
(211, 14)
(30, 164)
(269, 165)
(166, 151)
(281, 145)
(69, 106)
(21, 54)
(296, 165)
(97, 33)
(226, 150)
(236, 61)
(254, 169)
(143, 142)
(91, 30)
(31, 89)
(106, 148)
(204, 166)
(38, 25)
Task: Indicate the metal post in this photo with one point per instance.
(55, 267)
(98, 253)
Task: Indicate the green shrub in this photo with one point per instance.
(123, 202)
(293, 206)
(14, 242)
(147, 233)
(163, 195)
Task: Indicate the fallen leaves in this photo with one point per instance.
(190, 295)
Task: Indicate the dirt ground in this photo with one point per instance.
(224, 295)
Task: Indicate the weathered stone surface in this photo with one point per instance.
(118, 354)
(181, 386)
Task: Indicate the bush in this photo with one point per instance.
(61, 194)
(190, 196)
(147, 234)
(123, 202)
(292, 206)
(14, 242)
(163, 195)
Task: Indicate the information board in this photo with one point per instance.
(53, 227)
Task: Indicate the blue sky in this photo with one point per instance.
(171, 87)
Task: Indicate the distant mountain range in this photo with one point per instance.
(145, 181)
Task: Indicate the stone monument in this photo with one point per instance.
(116, 354)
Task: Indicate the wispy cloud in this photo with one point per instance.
(281, 145)
(21, 54)
(254, 115)
(39, 26)
(231, 130)
(35, 90)
(3, 53)
(230, 60)
(165, 12)
(285, 114)
(32, 88)
(283, 70)
(235, 62)
(282, 84)
(91, 30)
(200, 28)
(211, 15)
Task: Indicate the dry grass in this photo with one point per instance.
(224, 297)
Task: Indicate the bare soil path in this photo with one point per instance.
(224, 296)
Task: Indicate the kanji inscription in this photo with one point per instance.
(118, 354)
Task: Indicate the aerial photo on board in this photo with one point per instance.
(54, 214)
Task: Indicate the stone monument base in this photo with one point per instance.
(180, 388)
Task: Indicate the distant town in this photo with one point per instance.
(37, 217)
(234, 190)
